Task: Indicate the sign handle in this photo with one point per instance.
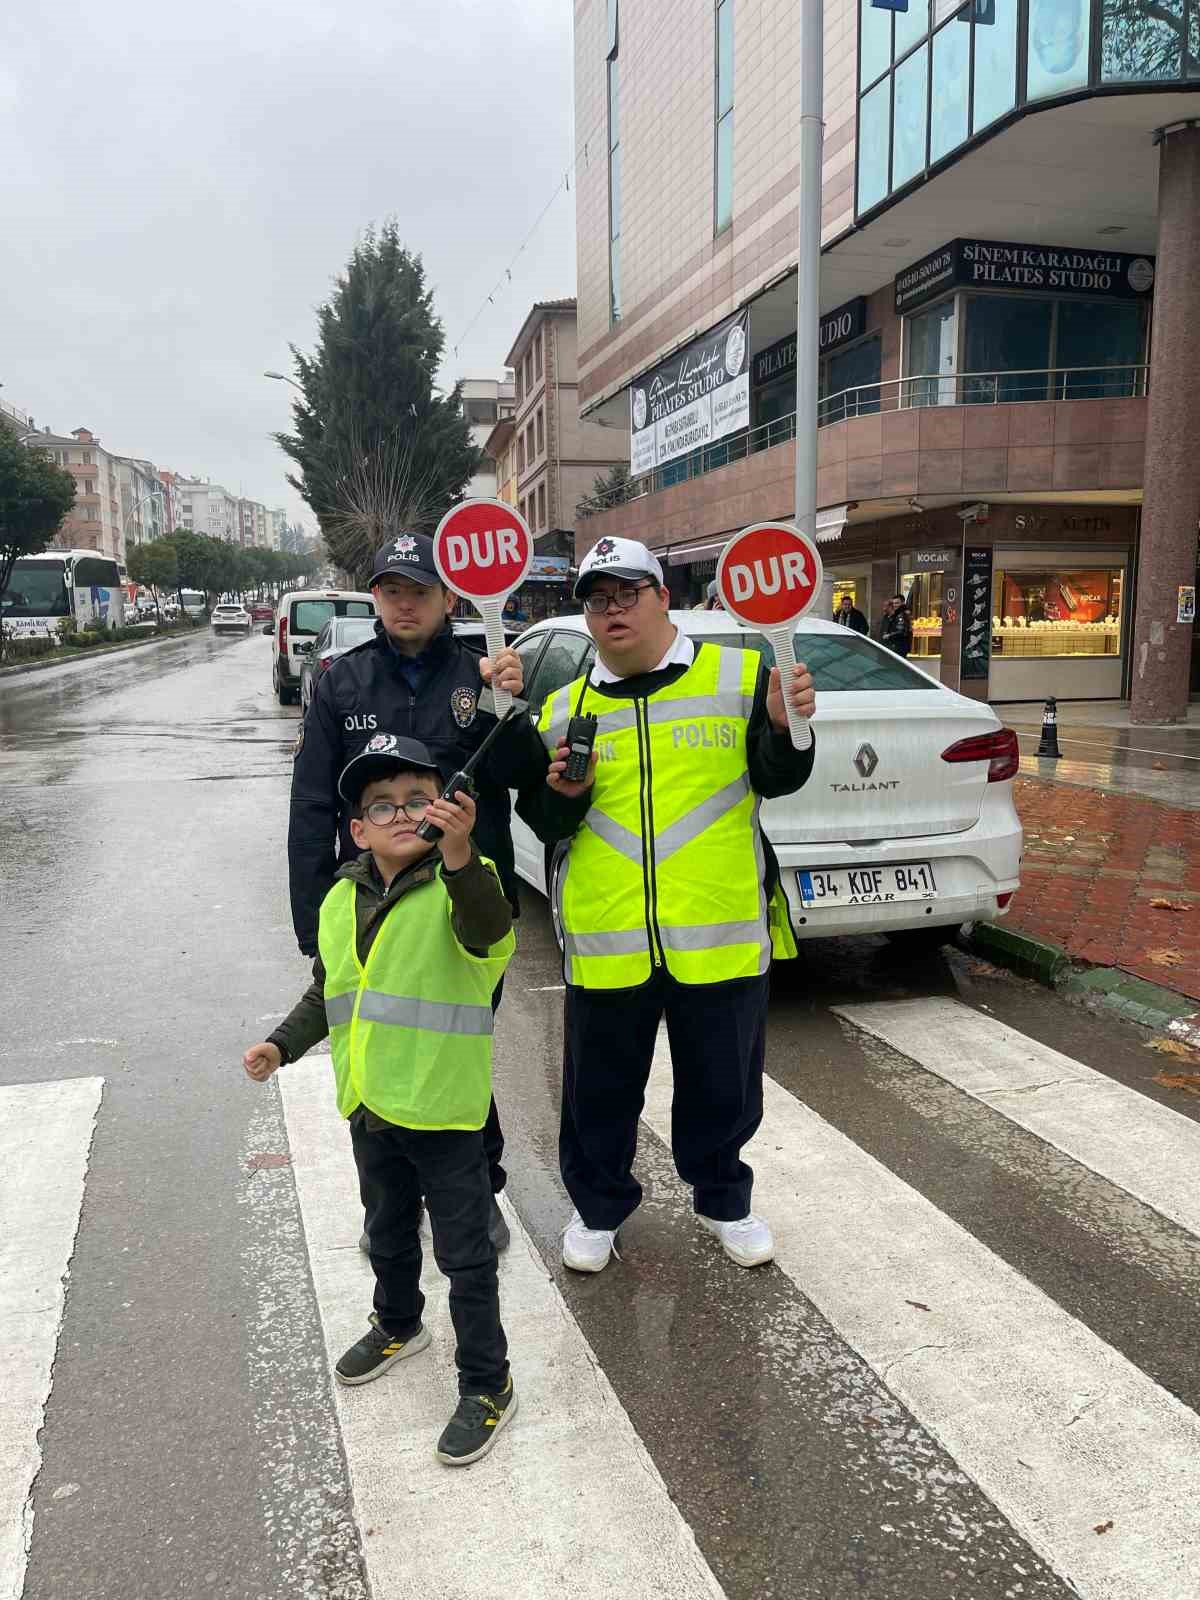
(493, 630)
(782, 641)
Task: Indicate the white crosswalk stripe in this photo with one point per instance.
(1061, 1431)
(574, 1503)
(1146, 1149)
(45, 1139)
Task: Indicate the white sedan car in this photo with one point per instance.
(231, 619)
(907, 823)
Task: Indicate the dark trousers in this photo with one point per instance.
(718, 1036)
(493, 1134)
(397, 1168)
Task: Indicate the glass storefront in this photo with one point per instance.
(936, 75)
(1056, 613)
(924, 592)
(841, 376)
(931, 347)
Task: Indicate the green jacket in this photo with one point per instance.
(482, 917)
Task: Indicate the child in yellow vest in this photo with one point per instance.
(410, 951)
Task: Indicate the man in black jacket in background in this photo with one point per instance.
(415, 678)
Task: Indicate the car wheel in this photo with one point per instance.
(556, 856)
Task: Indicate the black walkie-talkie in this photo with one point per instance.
(460, 781)
(581, 736)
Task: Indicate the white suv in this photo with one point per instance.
(299, 618)
(231, 619)
(907, 824)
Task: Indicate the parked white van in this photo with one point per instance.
(299, 618)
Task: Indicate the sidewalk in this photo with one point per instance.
(1112, 843)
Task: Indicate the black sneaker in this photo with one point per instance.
(376, 1351)
(498, 1228)
(471, 1431)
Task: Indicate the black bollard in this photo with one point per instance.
(1048, 749)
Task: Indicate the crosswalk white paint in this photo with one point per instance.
(569, 1502)
(1061, 1431)
(1150, 1151)
(45, 1138)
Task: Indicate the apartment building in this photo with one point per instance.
(486, 402)
(95, 522)
(1008, 329)
(208, 508)
(143, 500)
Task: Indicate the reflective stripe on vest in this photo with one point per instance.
(411, 1030)
(667, 867)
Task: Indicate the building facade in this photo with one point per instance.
(208, 508)
(486, 402)
(1008, 329)
(95, 521)
(143, 500)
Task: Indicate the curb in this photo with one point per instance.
(43, 663)
(1148, 1004)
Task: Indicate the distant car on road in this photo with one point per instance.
(262, 611)
(337, 636)
(472, 631)
(231, 619)
(299, 618)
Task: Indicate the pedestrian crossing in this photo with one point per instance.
(1092, 1466)
(45, 1140)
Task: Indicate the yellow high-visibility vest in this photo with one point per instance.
(411, 1030)
(666, 869)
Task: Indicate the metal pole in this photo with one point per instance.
(808, 266)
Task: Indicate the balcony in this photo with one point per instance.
(969, 433)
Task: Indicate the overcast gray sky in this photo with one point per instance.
(179, 184)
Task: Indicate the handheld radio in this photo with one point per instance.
(461, 781)
(581, 736)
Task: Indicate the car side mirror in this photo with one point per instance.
(303, 649)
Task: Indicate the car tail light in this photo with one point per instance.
(283, 635)
(1000, 750)
(1003, 899)
(324, 661)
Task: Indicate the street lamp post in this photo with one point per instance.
(808, 265)
(281, 377)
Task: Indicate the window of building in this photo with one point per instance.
(541, 505)
(908, 119)
(951, 89)
(519, 392)
(537, 356)
(995, 79)
(1076, 613)
(875, 42)
(529, 371)
(521, 452)
(530, 453)
(480, 410)
(614, 164)
(723, 147)
(1057, 59)
(1144, 40)
(874, 122)
(931, 350)
(541, 431)
(848, 384)
(87, 458)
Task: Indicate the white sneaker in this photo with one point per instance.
(586, 1249)
(747, 1241)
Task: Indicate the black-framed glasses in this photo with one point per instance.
(383, 813)
(623, 598)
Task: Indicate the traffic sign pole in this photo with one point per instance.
(483, 550)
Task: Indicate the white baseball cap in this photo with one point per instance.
(617, 558)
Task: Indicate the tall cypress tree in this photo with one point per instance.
(378, 450)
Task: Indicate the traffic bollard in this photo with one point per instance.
(1048, 749)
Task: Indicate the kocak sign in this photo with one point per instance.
(992, 264)
(836, 328)
(700, 395)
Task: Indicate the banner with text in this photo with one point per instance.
(701, 394)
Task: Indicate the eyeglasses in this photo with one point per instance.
(624, 599)
(383, 813)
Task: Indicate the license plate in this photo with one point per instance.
(868, 886)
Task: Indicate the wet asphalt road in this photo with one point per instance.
(147, 941)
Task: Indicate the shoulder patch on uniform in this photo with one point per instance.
(463, 705)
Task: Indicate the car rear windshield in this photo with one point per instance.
(845, 664)
(310, 616)
(349, 631)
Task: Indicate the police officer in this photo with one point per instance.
(418, 679)
(669, 899)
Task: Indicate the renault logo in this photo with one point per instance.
(865, 760)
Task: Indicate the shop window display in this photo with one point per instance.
(1076, 613)
(923, 591)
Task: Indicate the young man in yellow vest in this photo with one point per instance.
(669, 900)
(409, 952)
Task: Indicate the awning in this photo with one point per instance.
(830, 523)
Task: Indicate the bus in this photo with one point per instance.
(46, 588)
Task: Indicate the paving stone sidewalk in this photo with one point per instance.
(1112, 879)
